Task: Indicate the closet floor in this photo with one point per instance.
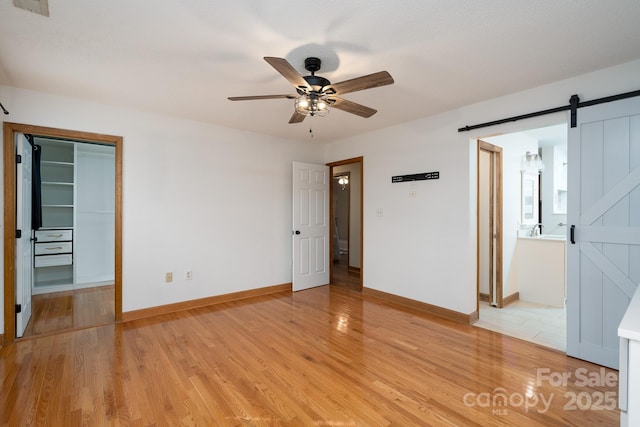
(70, 310)
(342, 276)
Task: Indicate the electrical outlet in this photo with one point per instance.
(187, 275)
(412, 193)
(168, 277)
(379, 212)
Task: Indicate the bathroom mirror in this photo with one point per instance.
(529, 198)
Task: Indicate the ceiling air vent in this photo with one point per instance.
(40, 7)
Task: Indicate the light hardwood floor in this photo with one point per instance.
(327, 356)
(69, 310)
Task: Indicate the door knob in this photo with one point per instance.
(297, 231)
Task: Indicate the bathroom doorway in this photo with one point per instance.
(533, 237)
(346, 228)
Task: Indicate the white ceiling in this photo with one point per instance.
(185, 57)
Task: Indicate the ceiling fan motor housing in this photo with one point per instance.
(317, 82)
(312, 64)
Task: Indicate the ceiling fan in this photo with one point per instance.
(316, 95)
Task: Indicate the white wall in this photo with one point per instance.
(415, 248)
(196, 196)
(218, 201)
(424, 247)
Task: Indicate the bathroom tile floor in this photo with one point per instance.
(528, 321)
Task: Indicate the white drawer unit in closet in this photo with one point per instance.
(53, 260)
(53, 247)
(54, 235)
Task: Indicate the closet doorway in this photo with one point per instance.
(489, 227)
(346, 228)
(85, 286)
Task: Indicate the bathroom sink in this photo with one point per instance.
(545, 237)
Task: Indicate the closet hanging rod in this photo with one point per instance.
(574, 104)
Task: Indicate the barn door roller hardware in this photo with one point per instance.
(574, 104)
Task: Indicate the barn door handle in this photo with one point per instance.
(572, 235)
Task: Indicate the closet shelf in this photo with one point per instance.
(70, 184)
(51, 162)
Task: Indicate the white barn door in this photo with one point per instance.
(310, 225)
(603, 267)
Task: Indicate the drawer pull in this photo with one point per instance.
(57, 248)
(55, 235)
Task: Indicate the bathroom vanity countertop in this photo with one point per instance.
(545, 238)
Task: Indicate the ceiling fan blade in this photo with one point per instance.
(249, 98)
(381, 78)
(288, 72)
(353, 108)
(296, 117)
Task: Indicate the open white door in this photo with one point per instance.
(310, 225)
(604, 218)
(24, 247)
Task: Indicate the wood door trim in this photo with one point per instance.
(9, 131)
(497, 151)
(331, 213)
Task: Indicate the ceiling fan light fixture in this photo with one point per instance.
(311, 105)
(343, 181)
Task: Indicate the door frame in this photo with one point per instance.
(496, 157)
(332, 165)
(9, 132)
